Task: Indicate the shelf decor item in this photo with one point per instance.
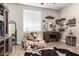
(47, 23)
(52, 26)
(60, 21)
(45, 26)
(71, 22)
(43, 21)
(49, 17)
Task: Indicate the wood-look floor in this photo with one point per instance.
(18, 51)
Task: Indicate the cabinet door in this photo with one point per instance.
(73, 41)
(1, 48)
(6, 45)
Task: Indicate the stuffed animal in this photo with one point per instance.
(29, 37)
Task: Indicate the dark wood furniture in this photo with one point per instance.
(5, 45)
(4, 40)
(4, 13)
(51, 35)
(71, 40)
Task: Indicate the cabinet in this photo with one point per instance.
(5, 41)
(3, 20)
(71, 40)
(5, 45)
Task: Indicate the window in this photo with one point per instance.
(31, 21)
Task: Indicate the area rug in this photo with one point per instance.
(52, 52)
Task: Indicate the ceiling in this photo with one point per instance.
(56, 6)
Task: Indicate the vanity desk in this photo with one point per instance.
(49, 36)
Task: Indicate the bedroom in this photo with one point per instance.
(55, 23)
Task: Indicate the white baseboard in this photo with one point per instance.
(63, 41)
(18, 42)
(77, 44)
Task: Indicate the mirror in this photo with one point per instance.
(13, 31)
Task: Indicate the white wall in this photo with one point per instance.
(16, 14)
(69, 12)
